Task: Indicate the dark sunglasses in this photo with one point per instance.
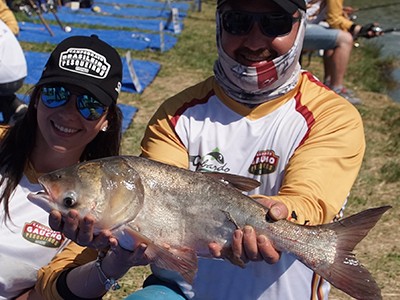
(89, 107)
(271, 24)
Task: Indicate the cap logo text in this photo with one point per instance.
(85, 62)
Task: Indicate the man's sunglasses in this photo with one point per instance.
(271, 24)
(89, 107)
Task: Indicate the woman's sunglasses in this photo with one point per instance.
(271, 24)
(89, 107)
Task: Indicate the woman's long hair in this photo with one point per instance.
(19, 141)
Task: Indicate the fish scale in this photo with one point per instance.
(149, 202)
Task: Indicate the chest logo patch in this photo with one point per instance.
(264, 162)
(213, 161)
(40, 234)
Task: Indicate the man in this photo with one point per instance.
(260, 116)
(268, 121)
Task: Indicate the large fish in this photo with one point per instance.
(161, 205)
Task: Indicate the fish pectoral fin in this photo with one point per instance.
(241, 183)
(227, 253)
(181, 260)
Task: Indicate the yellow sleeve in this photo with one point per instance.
(8, 17)
(335, 17)
(320, 174)
(160, 141)
(72, 256)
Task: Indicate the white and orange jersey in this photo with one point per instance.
(27, 242)
(306, 149)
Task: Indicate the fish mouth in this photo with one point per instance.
(42, 199)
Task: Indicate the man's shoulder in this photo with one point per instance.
(197, 93)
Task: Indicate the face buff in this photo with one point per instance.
(251, 85)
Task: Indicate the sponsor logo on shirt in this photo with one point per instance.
(211, 162)
(264, 162)
(40, 234)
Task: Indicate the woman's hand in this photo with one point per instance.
(81, 230)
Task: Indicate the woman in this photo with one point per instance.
(72, 117)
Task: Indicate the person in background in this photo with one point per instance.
(330, 29)
(72, 117)
(336, 44)
(267, 120)
(337, 16)
(8, 17)
(13, 68)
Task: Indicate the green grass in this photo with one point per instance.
(378, 183)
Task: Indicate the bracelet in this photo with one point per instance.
(109, 283)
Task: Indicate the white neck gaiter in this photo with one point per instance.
(255, 85)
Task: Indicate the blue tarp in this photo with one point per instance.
(144, 3)
(133, 40)
(126, 11)
(68, 16)
(146, 71)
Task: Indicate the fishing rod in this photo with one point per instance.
(378, 29)
(387, 30)
(52, 8)
(39, 14)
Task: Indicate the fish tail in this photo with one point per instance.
(346, 273)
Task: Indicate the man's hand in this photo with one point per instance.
(249, 246)
(368, 31)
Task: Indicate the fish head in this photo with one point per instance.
(108, 189)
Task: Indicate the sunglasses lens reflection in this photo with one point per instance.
(88, 106)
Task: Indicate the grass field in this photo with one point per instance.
(378, 183)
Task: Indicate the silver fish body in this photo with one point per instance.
(160, 205)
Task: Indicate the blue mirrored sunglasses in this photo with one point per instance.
(271, 24)
(55, 96)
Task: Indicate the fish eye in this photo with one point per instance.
(69, 200)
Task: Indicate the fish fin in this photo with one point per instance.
(242, 183)
(184, 261)
(181, 260)
(227, 253)
(346, 273)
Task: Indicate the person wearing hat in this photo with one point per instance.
(72, 116)
(264, 118)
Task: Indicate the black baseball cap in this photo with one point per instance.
(87, 62)
(288, 5)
